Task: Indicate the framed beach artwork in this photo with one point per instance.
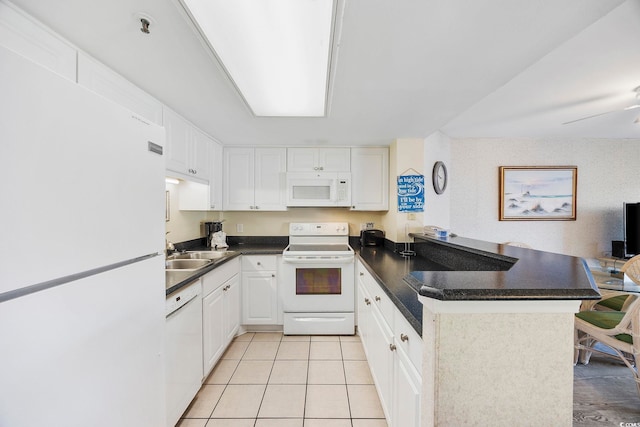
(540, 193)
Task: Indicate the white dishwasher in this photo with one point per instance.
(183, 349)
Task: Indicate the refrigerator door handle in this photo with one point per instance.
(38, 287)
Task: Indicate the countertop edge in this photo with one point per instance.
(238, 250)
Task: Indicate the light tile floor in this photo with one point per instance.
(267, 379)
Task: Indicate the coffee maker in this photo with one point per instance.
(210, 228)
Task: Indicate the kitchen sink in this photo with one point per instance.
(186, 264)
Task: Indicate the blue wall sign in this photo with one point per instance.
(411, 193)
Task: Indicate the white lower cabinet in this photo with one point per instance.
(260, 290)
(212, 332)
(405, 392)
(220, 311)
(393, 351)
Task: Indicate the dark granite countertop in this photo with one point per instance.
(479, 270)
(389, 268)
(175, 280)
(452, 269)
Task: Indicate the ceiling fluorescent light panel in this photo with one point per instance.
(277, 52)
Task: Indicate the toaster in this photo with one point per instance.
(371, 238)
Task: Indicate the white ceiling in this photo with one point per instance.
(405, 68)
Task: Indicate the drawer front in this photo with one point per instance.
(216, 277)
(379, 298)
(408, 339)
(259, 263)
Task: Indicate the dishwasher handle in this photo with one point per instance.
(179, 299)
(180, 307)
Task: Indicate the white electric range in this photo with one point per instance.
(318, 280)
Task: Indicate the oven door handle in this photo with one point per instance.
(319, 260)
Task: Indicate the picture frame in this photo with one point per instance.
(538, 193)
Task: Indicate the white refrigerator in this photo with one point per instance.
(82, 291)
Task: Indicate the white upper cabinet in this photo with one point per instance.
(27, 37)
(318, 159)
(188, 150)
(239, 172)
(200, 151)
(106, 82)
(196, 195)
(216, 177)
(270, 179)
(254, 179)
(370, 179)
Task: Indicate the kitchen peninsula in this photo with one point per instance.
(496, 323)
(497, 330)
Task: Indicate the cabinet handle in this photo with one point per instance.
(361, 273)
(321, 168)
(251, 207)
(257, 207)
(366, 301)
(316, 168)
(258, 263)
(273, 275)
(377, 298)
(392, 347)
(404, 337)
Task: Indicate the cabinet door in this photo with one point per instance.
(406, 392)
(177, 142)
(259, 298)
(231, 307)
(318, 159)
(370, 179)
(215, 177)
(302, 159)
(239, 172)
(364, 317)
(334, 159)
(381, 358)
(213, 340)
(270, 179)
(199, 154)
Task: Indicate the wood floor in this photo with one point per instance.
(604, 394)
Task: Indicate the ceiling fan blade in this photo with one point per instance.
(630, 107)
(590, 117)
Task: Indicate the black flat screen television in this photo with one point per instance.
(631, 229)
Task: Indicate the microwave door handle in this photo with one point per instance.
(334, 191)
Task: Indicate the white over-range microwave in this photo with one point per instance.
(311, 189)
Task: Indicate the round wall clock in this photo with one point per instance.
(439, 177)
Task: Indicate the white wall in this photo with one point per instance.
(406, 157)
(607, 177)
(437, 209)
